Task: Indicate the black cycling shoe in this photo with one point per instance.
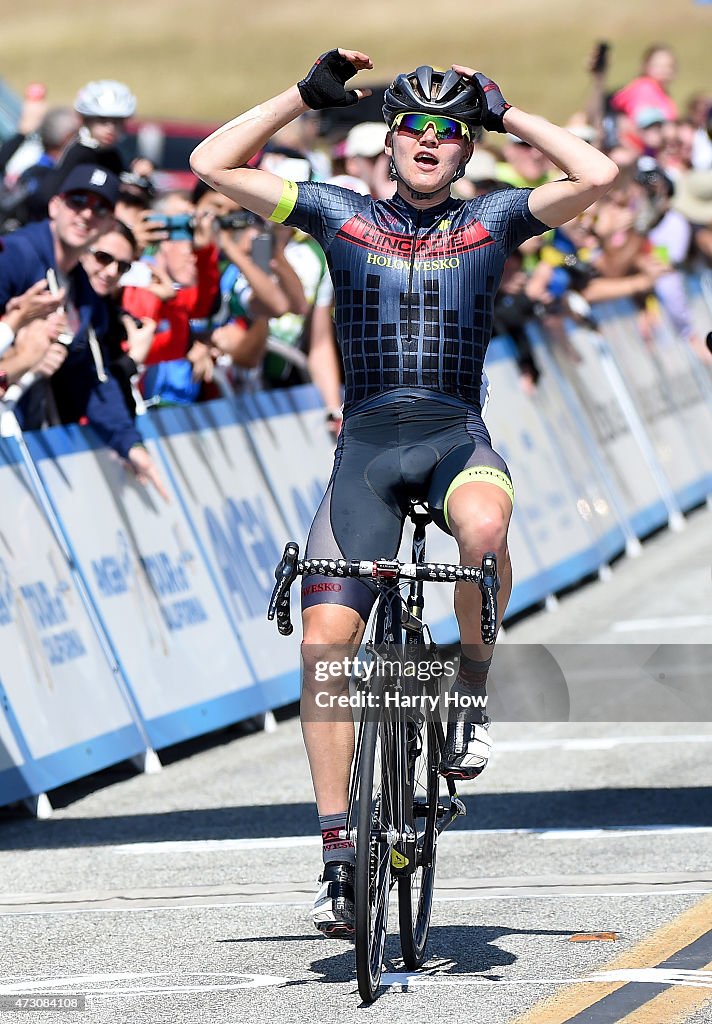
(333, 912)
(467, 750)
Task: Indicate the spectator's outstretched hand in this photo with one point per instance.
(36, 303)
(139, 338)
(52, 360)
(146, 470)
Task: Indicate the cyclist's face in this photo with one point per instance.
(425, 162)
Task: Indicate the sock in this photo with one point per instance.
(471, 682)
(333, 847)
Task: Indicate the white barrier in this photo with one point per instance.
(241, 532)
(665, 396)
(128, 624)
(64, 714)
(149, 584)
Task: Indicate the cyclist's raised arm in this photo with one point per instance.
(589, 173)
(219, 160)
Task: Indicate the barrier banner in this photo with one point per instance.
(560, 546)
(294, 449)
(579, 358)
(62, 713)
(599, 501)
(667, 399)
(581, 465)
(688, 390)
(240, 530)
(150, 586)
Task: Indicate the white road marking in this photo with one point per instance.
(646, 976)
(663, 623)
(82, 983)
(289, 842)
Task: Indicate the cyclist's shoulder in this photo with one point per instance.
(333, 198)
(506, 198)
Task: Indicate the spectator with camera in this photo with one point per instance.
(80, 389)
(182, 284)
(257, 282)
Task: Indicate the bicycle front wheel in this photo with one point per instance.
(415, 891)
(376, 824)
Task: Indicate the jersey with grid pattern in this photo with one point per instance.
(414, 289)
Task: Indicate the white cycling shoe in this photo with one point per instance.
(333, 912)
(467, 750)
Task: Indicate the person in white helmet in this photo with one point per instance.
(104, 107)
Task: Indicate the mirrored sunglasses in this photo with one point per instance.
(105, 259)
(447, 129)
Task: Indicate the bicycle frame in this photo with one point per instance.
(384, 812)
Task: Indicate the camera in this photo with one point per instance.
(179, 227)
(238, 220)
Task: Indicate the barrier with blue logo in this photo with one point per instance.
(63, 714)
(150, 586)
(212, 460)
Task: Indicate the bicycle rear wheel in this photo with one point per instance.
(415, 891)
(373, 854)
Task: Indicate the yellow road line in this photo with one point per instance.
(673, 1006)
(659, 946)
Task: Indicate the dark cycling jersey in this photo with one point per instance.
(414, 289)
(414, 293)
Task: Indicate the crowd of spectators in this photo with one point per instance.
(115, 297)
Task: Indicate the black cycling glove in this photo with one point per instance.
(324, 85)
(496, 107)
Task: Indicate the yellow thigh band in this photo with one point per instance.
(479, 475)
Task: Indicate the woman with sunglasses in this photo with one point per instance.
(128, 338)
(415, 278)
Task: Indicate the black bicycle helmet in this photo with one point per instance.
(435, 92)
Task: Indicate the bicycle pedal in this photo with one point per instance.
(458, 805)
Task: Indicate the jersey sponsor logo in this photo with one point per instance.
(445, 244)
(321, 588)
(378, 260)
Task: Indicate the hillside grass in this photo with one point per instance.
(211, 60)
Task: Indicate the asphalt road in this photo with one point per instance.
(185, 895)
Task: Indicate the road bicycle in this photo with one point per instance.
(395, 810)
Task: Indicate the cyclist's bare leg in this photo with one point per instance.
(478, 515)
(331, 633)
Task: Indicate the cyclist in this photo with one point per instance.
(415, 278)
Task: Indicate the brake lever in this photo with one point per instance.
(285, 574)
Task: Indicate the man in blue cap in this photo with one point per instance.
(50, 250)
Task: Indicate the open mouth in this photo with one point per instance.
(426, 160)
